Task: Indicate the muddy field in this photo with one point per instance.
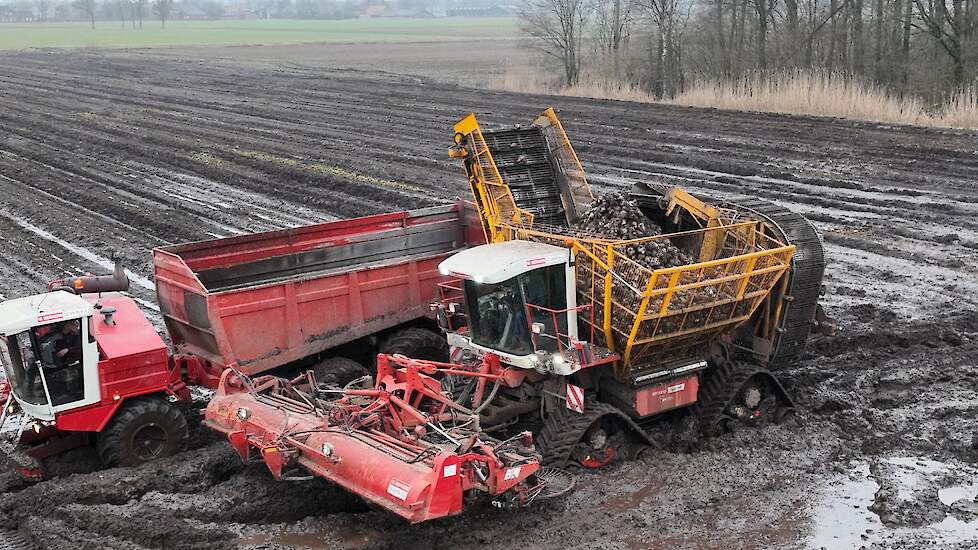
(121, 152)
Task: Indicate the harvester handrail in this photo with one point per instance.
(599, 240)
(721, 261)
(576, 245)
(712, 282)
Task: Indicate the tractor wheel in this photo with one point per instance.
(417, 343)
(338, 371)
(142, 430)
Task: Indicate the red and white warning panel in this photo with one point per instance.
(663, 397)
(575, 398)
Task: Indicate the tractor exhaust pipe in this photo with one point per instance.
(94, 284)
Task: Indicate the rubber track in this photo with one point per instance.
(808, 268)
(721, 386)
(564, 428)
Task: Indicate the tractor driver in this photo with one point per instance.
(66, 342)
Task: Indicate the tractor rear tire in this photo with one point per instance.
(142, 430)
(338, 371)
(417, 343)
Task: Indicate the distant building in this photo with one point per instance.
(375, 10)
(479, 11)
(12, 14)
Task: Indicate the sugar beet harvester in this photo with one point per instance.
(562, 343)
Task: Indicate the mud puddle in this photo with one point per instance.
(313, 534)
(897, 502)
(842, 518)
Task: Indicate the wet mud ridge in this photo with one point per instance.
(124, 151)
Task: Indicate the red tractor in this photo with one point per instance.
(85, 366)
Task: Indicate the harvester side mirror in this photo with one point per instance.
(454, 307)
(440, 316)
(537, 328)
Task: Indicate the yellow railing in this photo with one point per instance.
(650, 315)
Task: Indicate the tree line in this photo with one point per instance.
(129, 11)
(927, 48)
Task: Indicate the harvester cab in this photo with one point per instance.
(520, 302)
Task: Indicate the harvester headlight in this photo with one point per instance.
(11, 409)
(36, 426)
(557, 359)
(327, 449)
(243, 413)
(443, 271)
(479, 279)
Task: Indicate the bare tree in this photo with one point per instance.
(163, 8)
(43, 9)
(611, 22)
(948, 28)
(138, 9)
(557, 27)
(86, 8)
(666, 69)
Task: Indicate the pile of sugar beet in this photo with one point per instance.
(617, 217)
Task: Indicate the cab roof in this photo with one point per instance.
(497, 262)
(21, 314)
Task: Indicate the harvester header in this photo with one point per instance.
(402, 444)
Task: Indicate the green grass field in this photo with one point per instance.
(111, 34)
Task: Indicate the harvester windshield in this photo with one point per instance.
(498, 316)
(503, 314)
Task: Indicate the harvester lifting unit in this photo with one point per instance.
(402, 444)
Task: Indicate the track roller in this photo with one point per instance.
(740, 393)
(592, 439)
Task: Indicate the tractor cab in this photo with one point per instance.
(518, 300)
(48, 352)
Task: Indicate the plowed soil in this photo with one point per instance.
(121, 152)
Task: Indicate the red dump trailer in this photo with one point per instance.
(85, 365)
(261, 301)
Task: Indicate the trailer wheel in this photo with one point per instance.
(417, 343)
(142, 430)
(338, 371)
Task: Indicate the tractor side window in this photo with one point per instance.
(22, 369)
(60, 348)
(546, 292)
(498, 317)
